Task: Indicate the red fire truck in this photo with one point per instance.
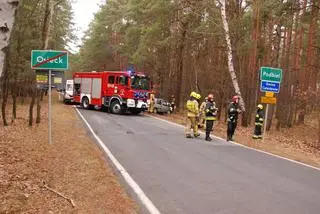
(118, 91)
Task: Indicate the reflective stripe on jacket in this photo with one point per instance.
(233, 113)
(211, 111)
(259, 118)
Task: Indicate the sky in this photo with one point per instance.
(84, 11)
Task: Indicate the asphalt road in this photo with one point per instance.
(182, 175)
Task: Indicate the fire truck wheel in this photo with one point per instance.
(85, 103)
(115, 107)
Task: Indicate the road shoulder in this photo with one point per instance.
(72, 166)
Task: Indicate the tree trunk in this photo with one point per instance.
(46, 30)
(33, 98)
(275, 62)
(5, 90)
(310, 47)
(38, 118)
(252, 81)
(3, 107)
(23, 93)
(318, 146)
(180, 66)
(230, 57)
(14, 98)
(7, 17)
(5, 85)
(41, 95)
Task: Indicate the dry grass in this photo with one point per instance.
(72, 165)
(294, 143)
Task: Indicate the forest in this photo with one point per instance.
(184, 46)
(181, 44)
(39, 24)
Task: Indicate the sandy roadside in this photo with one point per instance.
(73, 165)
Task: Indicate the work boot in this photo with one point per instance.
(196, 135)
(188, 136)
(208, 139)
(255, 137)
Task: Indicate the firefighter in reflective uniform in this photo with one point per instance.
(258, 123)
(202, 119)
(193, 113)
(198, 97)
(152, 100)
(210, 115)
(233, 112)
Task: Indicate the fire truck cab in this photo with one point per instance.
(118, 91)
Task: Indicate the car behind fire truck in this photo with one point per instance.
(68, 92)
(118, 91)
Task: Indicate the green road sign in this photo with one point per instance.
(49, 60)
(271, 74)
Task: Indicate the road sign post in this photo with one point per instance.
(265, 122)
(270, 83)
(50, 109)
(49, 60)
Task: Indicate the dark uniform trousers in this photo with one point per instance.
(209, 126)
(232, 120)
(258, 125)
(210, 115)
(231, 129)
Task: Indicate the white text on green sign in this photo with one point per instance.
(53, 60)
(271, 74)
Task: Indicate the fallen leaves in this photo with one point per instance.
(73, 165)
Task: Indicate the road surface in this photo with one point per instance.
(182, 175)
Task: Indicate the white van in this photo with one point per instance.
(68, 93)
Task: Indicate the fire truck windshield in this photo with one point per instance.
(140, 83)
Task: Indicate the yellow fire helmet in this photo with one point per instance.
(260, 106)
(193, 94)
(198, 96)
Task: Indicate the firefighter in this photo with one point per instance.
(152, 100)
(198, 97)
(202, 113)
(233, 112)
(258, 123)
(210, 115)
(193, 113)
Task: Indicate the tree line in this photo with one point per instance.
(38, 25)
(181, 44)
(184, 46)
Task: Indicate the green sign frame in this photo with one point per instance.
(49, 60)
(271, 74)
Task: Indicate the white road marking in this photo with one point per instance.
(247, 147)
(141, 195)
